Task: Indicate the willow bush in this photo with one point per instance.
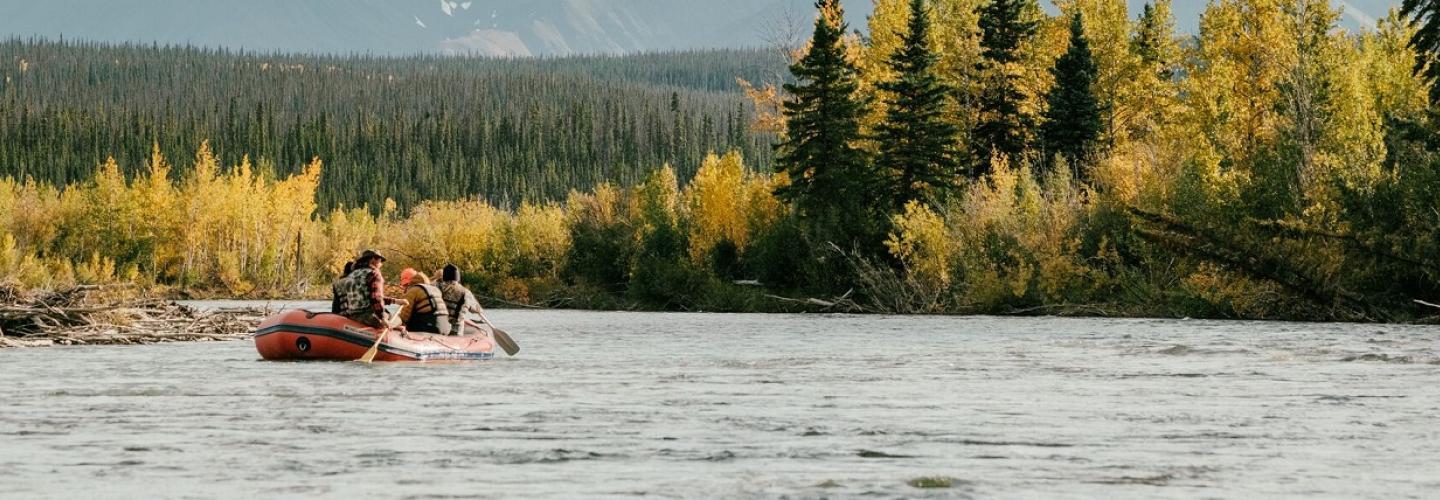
(239, 231)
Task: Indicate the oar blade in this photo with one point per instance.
(506, 343)
(369, 356)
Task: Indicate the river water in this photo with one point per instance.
(749, 406)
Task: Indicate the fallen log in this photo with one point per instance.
(842, 303)
(1183, 237)
(1294, 230)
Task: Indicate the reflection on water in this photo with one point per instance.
(698, 405)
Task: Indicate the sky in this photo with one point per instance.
(487, 27)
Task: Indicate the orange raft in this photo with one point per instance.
(301, 335)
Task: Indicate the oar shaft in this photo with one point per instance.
(369, 356)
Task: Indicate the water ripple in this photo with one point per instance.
(623, 405)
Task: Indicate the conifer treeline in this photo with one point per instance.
(1264, 167)
(410, 129)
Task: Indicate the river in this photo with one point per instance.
(749, 406)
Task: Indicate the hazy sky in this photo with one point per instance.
(487, 26)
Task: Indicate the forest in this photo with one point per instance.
(964, 156)
(407, 129)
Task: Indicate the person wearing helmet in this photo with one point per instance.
(426, 311)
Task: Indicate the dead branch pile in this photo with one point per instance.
(111, 315)
(841, 304)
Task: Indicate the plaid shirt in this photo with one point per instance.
(377, 295)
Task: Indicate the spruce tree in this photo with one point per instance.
(1154, 39)
(916, 142)
(1426, 41)
(1004, 126)
(830, 178)
(1072, 119)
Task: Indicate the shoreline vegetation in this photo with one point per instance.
(111, 315)
(980, 157)
(232, 234)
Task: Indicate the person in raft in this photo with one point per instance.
(362, 295)
(335, 288)
(458, 299)
(426, 310)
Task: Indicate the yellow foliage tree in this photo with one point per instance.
(538, 239)
(921, 242)
(1389, 69)
(718, 201)
(1244, 53)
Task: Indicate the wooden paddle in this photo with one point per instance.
(369, 356)
(506, 343)
(502, 338)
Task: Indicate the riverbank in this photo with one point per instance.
(96, 315)
(129, 315)
(212, 320)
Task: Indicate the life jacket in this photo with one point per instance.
(354, 292)
(434, 303)
(455, 295)
(336, 307)
(429, 314)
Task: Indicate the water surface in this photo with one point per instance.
(741, 406)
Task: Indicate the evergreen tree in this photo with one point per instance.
(1072, 120)
(1004, 125)
(407, 128)
(1426, 41)
(830, 177)
(1154, 39)
(916, 142)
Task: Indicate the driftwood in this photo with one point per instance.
(842, 303)
(545, 305)
(1089, 310)
(99, 315)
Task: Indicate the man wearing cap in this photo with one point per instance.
(458, 299)
(363, 292)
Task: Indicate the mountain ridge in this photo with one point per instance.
(472, 27)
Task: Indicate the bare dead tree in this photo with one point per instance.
(785, 33)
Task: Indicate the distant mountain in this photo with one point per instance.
(489, 27)
(1357, 14)
(482, 27)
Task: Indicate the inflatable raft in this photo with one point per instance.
(303, 335)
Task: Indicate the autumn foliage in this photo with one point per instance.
(237, 231)
(1273, 165)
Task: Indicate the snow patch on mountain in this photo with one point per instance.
(488, 43)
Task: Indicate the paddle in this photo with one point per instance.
(506, 343)
(502, 338)
(369, 356)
